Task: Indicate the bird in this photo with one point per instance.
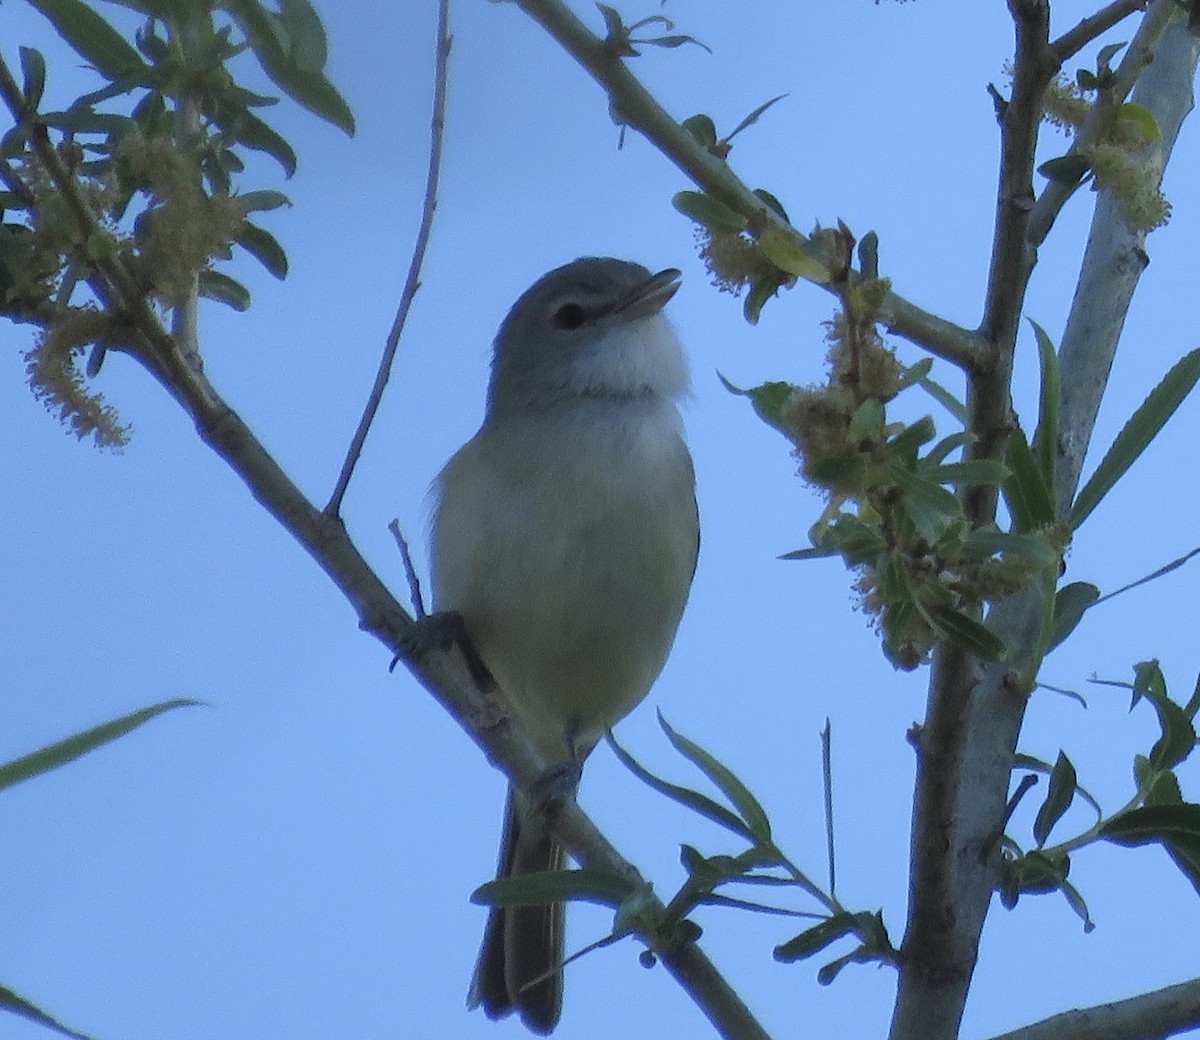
(565, 535)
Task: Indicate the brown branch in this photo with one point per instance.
(639, 109)
(444, 674)
(413, 281)
(1148, 1016)
(1074, 40)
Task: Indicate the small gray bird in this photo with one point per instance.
(565, 535)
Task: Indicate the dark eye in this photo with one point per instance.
(568, 316)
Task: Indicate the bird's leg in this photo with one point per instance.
(440, 631)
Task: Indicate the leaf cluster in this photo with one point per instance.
(1156, 814)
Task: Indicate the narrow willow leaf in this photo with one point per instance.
(220, 287)
(772, 202)
(1143, 426)
(708, 212)
(555, 886)
(982, 543)
(791, 253)
(1154, 823)
(305, 32)
(966, 632)
(1141, 119)
(1076, 902)
(685, 796)
(1046, 437)
(264, 247)
(273, 48)
(1070, 604)
(254, 133)
(748, 807)
(946, 446)
(90, 36)
(33, 69)
(945, 398)
(768, 400)
(1059, 796)
(263, 199)
(1178, 734)
(16, 1004)
(1026, 492)
(813, 940)
(702, 128)
(753, 117)
(1037, 765)
(969, 471)
(1066, 169)
(756, 299)
(60, 753)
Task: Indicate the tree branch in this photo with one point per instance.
(413, 281)
(1113, 263)
(443, 673)
(1074, 40)
(1138, 55)
(639, 109)
(1149, 1016)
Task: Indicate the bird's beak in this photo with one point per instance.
(651, 296)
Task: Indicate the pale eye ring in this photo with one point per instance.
(569, 316)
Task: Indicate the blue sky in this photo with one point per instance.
(294, 860)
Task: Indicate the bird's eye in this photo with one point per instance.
(569, 316)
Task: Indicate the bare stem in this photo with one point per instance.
(413, 281)
(1075, 39)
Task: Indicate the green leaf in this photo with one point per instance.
(969, 471)
(753, 117)
(33, 68)
(1046, 436)
(966, 632)
(555, 886)
(867, 421)
(254, 133)
(685, 796)
(1066, 169)
(306, 33)
(277, 52)
(1024, 761)
(768, 400)
(905, 444)
(1154, 823)
(1058, 799)
(1106, 55)
(760, 292)
(1070, 604)
(813, 940)
(772, 202)
(1075, 902)
(91, 37)
(982, 543)
(793, 254)
(18, 1005)
(945, 398)
(748, 807)
(59, 754)
(708, 212)
(265, 199)
(702, 128)
(264, 247)
(1143, 426)
(1140, 119)
(223, 289)
(868, 262)
(1026, 492)
(928, 505)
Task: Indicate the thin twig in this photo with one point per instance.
(413, 282)
(410, 572)
(1074, 40)
(641, 110)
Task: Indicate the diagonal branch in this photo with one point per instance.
(1074, 40)
(639, 109)
(1148, 1016)
(443, 673)
(413, 281)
